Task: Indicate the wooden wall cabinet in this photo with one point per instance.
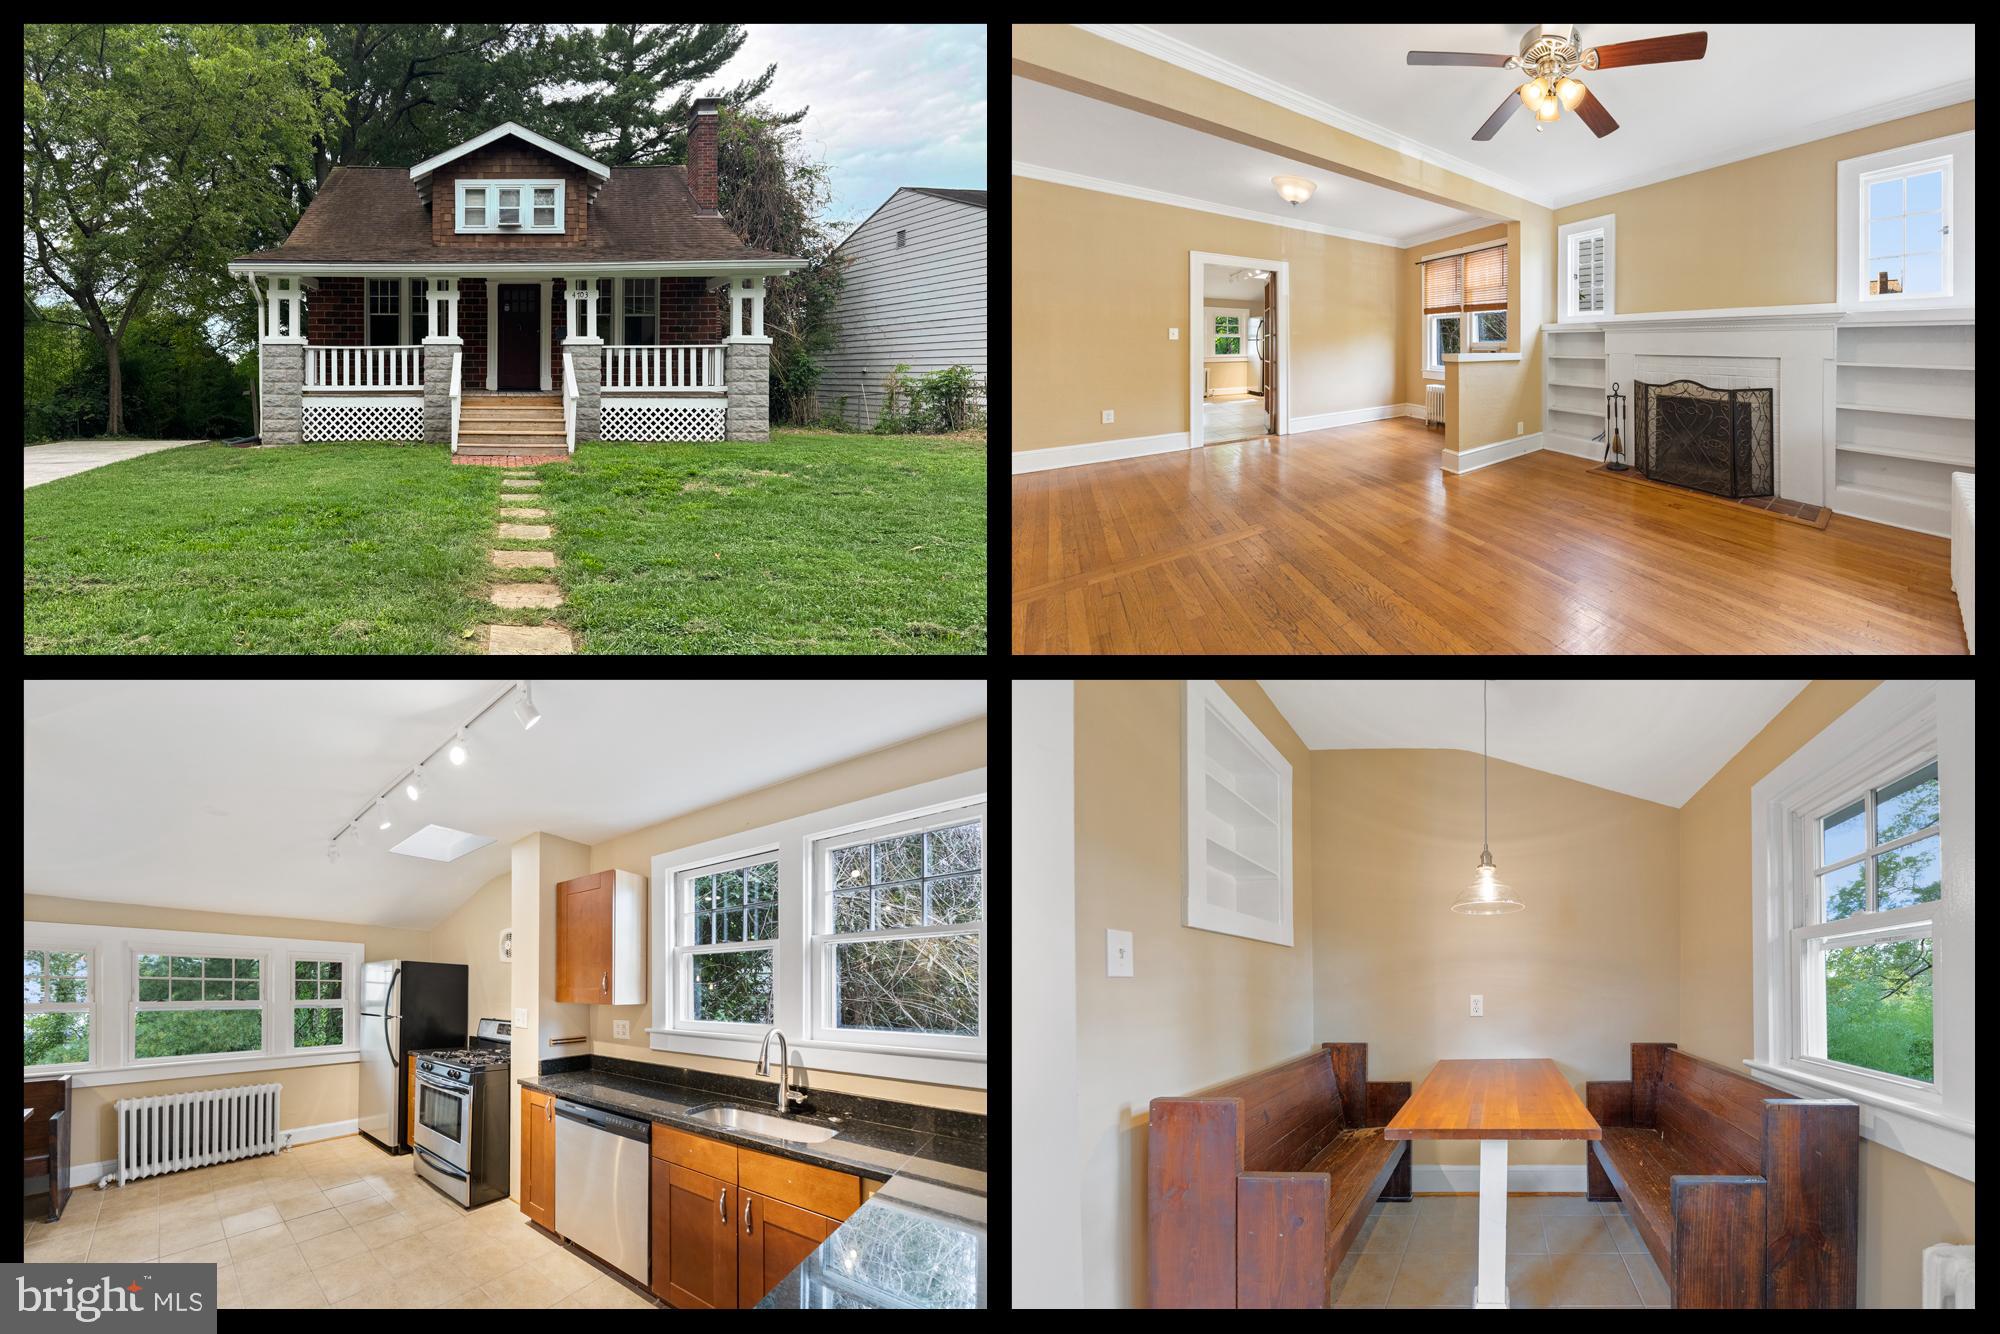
(601, 939)
(728, 1223)
(538, 1157)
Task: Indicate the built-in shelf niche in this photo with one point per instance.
(1239, 822)
(1572, 389)
(1903, 419)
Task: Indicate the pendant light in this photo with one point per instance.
(1486, 895)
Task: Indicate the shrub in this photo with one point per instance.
(944, 400)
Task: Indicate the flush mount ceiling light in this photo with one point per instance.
(524, 707)
(457, 752)
(1295, 190)
(1486, 895)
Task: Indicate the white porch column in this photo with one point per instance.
(444, 300)
(757, 307)
(585, 350)
(257, 302)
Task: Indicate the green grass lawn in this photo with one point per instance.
(806, 544)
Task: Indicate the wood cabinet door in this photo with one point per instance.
(538, 1158)
(772, 1239)
(699, 1258)
(583, 939)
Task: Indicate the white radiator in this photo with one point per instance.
(177, 1130)
(1947, 1277)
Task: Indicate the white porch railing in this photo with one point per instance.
(666, 366)
(350, 368)
(569, 402)
(454, 400)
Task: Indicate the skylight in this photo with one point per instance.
(440, 844)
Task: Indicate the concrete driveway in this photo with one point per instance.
(60, 458)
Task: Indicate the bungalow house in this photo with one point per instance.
(915, 295)
(511, 293)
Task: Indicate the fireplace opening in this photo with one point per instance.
(1715, 440)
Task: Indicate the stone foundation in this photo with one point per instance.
(747, 373)
(437, 388)
(588, 360)
(283, 366)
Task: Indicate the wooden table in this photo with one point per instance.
(1493, 1102)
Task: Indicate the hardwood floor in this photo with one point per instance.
(1353, 540)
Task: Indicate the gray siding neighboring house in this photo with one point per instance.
(922, 302)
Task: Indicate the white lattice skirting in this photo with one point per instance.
(663, 418)
(396, 418)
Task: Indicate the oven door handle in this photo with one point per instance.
(438, 1164)
(463, 1094)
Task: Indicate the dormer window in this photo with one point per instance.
(510, 206)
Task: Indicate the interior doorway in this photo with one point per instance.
(1238, 348)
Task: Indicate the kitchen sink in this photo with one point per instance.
(758, 1123)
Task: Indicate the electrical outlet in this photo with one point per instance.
(1478, 1006)
(1520, 428)
(1118, 954)
(1109, 416)
(621, 1028)
(1173, 335)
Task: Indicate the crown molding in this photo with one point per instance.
(1944, 95)
(1056, 176)
(1197, 61)
(1457, 229)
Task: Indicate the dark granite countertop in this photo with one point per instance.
(920, 1241)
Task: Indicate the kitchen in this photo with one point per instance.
(514, 994)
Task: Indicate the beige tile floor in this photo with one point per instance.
(1562, 1250)
(332, 1223)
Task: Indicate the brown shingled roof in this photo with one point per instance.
(368, 214)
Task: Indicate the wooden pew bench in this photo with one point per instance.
(1744, 1194)
(1258, 1187)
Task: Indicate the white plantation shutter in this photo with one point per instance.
(1587, 271)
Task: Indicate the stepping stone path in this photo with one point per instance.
(533, 639)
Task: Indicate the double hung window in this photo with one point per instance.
(385, 312)
(196, 1005)
(642, 311)
(728, 929)
(58, 1004)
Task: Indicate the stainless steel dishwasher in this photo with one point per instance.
(602, 1177)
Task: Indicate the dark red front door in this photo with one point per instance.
(520, 337)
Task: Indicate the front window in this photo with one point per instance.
(319, 1003)
(728, 926)
(472, 214)
(384, 312)
(1906, 231)
(642, 311)
(899, 942)
(57, 1007)
(420, 309)
(196, 1005)
(545, 206)
(511, 206)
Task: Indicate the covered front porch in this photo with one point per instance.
(406, 352)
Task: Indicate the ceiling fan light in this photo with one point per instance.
(1569, 92)
(1548, 110)
(1294, 190)
(1534, 93)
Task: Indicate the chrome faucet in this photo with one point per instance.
(786, 1096)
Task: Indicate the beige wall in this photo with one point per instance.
(1479, 404)
(923, 759)
(471, 936)
(1200, 1006)
(1396, 837)
(1099, 279)
(1905, 1204)
(1760, 232)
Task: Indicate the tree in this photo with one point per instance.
(151, 153)
(621, 112)
(771, 193)
(1878, 996)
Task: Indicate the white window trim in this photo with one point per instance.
(1850, 287)
(493, 188)
(790, 985)
(111, 1042)
(1566, 311)
(59, 945)
(626, 294)
(1435, 370)
(685, 952)
(135, 1007)
(824, 1030)
(345, 1004)
(1209, 315)
(1476, 344)
(1897, 721)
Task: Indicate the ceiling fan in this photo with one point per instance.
(1551, 54)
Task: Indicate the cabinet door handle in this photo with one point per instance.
(723, 1212)
(746, 1215)
(603, 982)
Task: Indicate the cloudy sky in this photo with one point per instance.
(891, 104)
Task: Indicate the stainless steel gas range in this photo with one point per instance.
(461, 1131)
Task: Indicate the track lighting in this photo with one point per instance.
(524, 707)
(383, 815)
(333, 852)
(457, 751)
(415, 787)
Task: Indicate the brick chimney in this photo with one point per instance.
(701, 155)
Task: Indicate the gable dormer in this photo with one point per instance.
(509, 188)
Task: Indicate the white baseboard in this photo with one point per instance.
(1324, 420)
(1575, 448)
(89, 1174)
(1102, 451)
(1482, 456)
(1531, 1178)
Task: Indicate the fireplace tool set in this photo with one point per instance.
(1614, 438)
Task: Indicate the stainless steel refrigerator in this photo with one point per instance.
(405, 1006)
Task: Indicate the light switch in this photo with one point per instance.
(1478, 1006)
(1173, 335)
(1118, 954)
(621, 1028)
(521, 1018)
(1109, 415)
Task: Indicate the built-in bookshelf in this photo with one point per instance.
(1572, 388)
(1902, 408)
(1239, 812)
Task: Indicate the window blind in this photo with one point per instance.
(1444, 281)
(1588, 271)
(1486, 279)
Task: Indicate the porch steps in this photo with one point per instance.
(537, 444)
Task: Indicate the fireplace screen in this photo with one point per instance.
(1715, 440)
